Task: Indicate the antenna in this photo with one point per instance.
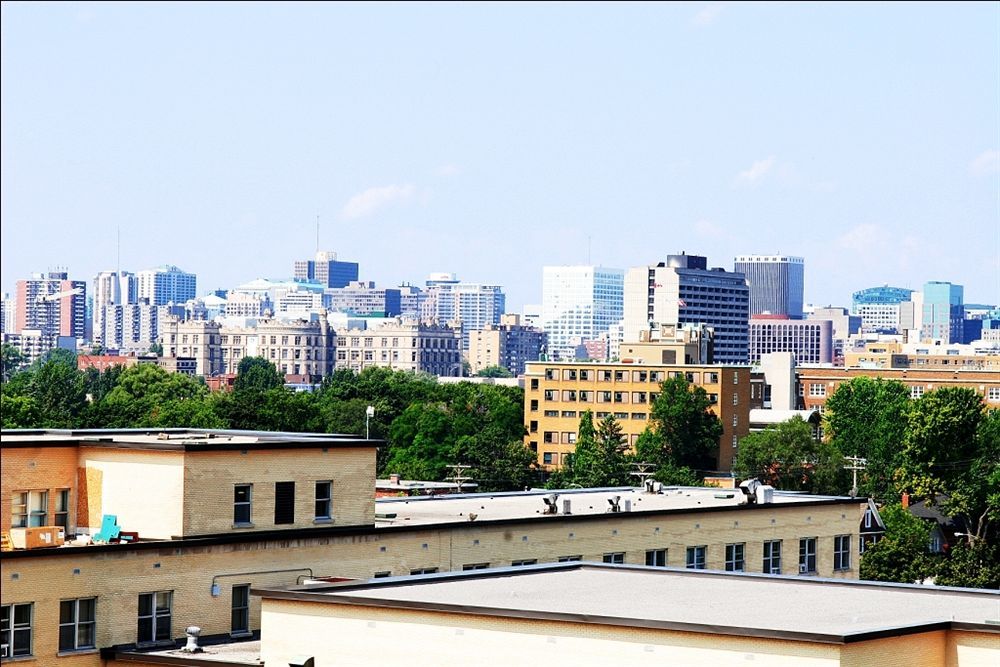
(118, 258)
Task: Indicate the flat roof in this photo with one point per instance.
(520, 505)
(233, 652)
(178, 439)
(787, 607)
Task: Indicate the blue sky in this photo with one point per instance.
(491, 140)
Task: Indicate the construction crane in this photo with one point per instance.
(55, 296)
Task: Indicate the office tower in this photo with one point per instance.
(509, 345)
(810, 341)
(776, 283)
(879, 308)
(683, 290)
(363, 298)
(844, 326)
(579, 303)
(411, 300)
(475, 305)
(326, 270)
(942, 312)
(52, 304)
(166, 284)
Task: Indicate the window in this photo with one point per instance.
(284, 503)
(382, 575)
(656, 557)
(154, 617)
(570, 559)
(547, 458)
(62, 509)
(696, 558)
(807, 555)
(993, 394)
(916, 391)
(424, 570)
(618, 558)
(242, 496)
(476, 566)
(736, 421)
(19, 509)
(772, 557)
(15, 628)
(324, 500)
(29, 508)
(526, 561)
(734, 557)
(76, 624)
(842, 552)
(241, 610)
(736, 399)
(817, 389)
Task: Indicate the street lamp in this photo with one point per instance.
(369, 413)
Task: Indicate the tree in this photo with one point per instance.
(147, 395)
(787, 457)
(951, 452)
(12, 360)
(648, 449)
(600, 458)
(57, 389)
(257, 374)
(867, 417)
(157, 349)
(494, 372)
(686, 430)
(901, 555)
(971, 565)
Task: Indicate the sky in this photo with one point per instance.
(491, 140)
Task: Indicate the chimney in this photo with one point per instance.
(394, 478)
(905, 500)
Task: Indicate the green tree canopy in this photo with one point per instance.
(687, 432)
(901, 555)
(12, 360)
(257, 374)
(788, 457)
(494, 372)
(867, 417)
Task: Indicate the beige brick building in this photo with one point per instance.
(557, 393)
(816, 384)
(218, 512)
(402, 344)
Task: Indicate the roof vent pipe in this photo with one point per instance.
(193, 632)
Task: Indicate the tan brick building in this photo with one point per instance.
(556, 394)
(218, 512)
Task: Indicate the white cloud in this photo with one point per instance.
(756, 172)
(708, 15)
(371, 200)
(987, 162)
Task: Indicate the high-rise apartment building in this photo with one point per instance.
(166, 284)
(879, 308)
(509, 345)
(112, 289)
(8, 318)
(326, 270)
(475, 305)
(811, 341)
(363, 298)
(683, 290)
(943, 312)
(52, 304)
(579, 303)
(776, 283)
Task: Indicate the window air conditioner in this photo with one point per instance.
(4, 651)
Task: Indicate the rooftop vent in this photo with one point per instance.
(615, 504)
(192, 632)
(550, 503)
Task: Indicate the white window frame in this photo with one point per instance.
(656, 557)
(157, 617)
(772, 557)
(614, 557)
(326, 500)
(736, 557)
(78, 624)
(807, 555)
(237, 504)
(243, 608)
(841, 552)
(696, 557)
(9, 629)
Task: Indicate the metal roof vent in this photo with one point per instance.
(550, 503)
(615, 504)
(192, 632)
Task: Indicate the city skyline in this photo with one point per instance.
(829, 132)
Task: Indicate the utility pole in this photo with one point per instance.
(457, 475)
(643, 471)
(857, 463)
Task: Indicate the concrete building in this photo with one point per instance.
(326, 270)
(597, 614)
(943, 313)
(671, 345)
(411, 300)
(920, 356)
(474, 305)
(35, 344)
(845, 325)
(8, 314)
(363, 298)
(777, 283)
(402, 344)
(166, 284)
(557, 393)
(300, 348)
(193, 339)
(507, 345)
(246, 305)
(683, 290)
(819, 383)
(579, 303)
(179, 525)
(879, 308)
(811, 341)
(52, 304)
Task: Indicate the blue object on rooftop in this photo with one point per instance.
(109, 528)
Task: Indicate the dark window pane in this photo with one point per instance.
(241, 494)
(241, 514)
(22, 614)
(86, 610)
(145, 630)
(241, 596)
(145, 604)
(66, 611)
(284, 502)
(162, 628)
(22, 641)
(85, 636)
(163, 603)
(67, 636)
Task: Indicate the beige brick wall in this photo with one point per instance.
(143, 489)
(972, 649)
(921, 650)
(36, 469)
(210, 477)
(117, 578)
(371, 636)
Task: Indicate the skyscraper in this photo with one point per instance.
(943, 312)
(683, 290)
(879, 308)
(579, 303)
(52, 304)
(776, 283)
(326, 270)
(166, 284)
(476, 305)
